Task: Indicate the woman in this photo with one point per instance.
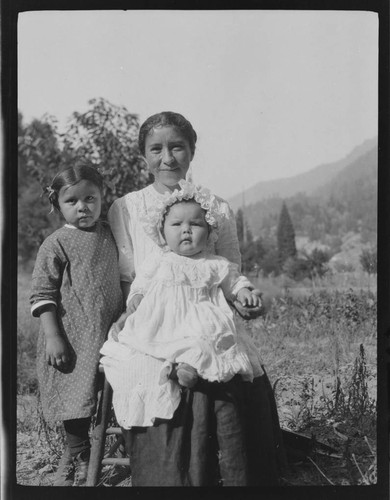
(183, 451)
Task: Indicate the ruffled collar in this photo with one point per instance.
(172, 256)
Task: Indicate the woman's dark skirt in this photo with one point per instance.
(221, 433)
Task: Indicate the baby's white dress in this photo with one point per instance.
(183, 317)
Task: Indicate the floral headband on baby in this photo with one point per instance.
(153, 222)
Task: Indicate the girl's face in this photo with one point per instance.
(80, 204)
(185, 228)
(168, 155)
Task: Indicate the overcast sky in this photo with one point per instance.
(270, 93)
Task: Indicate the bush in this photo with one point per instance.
(368, 260)
(325, 309)
(27, 332)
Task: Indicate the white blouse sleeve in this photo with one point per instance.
(227, 244)
(119, 219)
(233, 281)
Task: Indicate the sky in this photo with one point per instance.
(271, 94)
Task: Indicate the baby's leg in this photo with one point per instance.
(187, 376)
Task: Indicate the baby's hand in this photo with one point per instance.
(248, 298)
(248, 303)
(57, 354)
(187, 376)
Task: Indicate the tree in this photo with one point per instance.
(285, 236)
(297, 268)
(318, 260)
(368, 260)
(107, 136)
(248, 248)
(307, 266)
(240, 225)
(39, 151)
(39, 158)
(269, 264)
(252, 253)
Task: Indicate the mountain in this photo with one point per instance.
(310, 182)
(357, 176)
(344, 205)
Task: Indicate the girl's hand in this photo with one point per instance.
(248, 303)
(57, 353)
(134, 303)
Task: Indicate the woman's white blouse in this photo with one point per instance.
(134, 245)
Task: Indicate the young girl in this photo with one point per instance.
(183, 327)
(76, 294)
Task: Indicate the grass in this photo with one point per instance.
(318, 343)
(27, 333)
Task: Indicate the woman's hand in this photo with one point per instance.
(134, 303)
(120, 322)
(117, 327)
(57, 353)
(248, 303)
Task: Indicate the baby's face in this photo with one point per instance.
(185, 228)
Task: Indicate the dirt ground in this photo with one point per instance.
(325, 453)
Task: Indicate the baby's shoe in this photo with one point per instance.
(65, 472)
(187, 376)
(81, 462)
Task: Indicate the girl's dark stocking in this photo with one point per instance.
(77, 435)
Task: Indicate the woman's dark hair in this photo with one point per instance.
(164, 119)
(69, 177)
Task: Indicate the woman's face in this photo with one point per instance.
(168, 155)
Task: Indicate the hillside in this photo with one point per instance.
(346, 203)
(309, 182)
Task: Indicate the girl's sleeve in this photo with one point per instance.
(119, 219)
(227, 243)
(233, 281)
(145, 275)
(47, 278)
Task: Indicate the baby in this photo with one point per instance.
(183, 327)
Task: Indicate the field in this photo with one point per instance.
(318, 343)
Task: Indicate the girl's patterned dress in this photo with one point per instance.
(77, 270)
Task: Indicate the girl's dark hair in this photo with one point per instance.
(164, 119)
(69, 177)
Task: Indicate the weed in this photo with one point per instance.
(27, 332)
(355, 404)
(53, 434)
(318, 344)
